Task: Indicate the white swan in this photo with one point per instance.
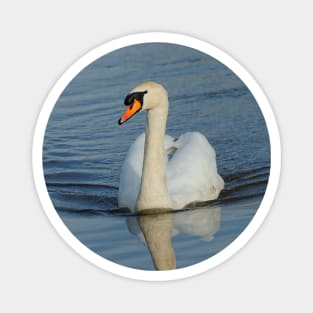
(148, 180)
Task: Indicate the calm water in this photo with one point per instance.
(84, 149)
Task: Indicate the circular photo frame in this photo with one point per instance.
(85, 185)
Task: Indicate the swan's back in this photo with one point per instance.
(191, 172)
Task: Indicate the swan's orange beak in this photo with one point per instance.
(131, 110)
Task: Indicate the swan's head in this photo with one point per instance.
(146, 96)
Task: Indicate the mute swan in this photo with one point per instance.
(148, 180)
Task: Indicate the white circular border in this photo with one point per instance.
(72, 72)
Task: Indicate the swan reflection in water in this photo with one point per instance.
(157, 228)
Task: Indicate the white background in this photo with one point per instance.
(39, 272)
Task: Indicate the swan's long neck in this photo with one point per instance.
(153, 192)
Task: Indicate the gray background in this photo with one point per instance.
(39, 272)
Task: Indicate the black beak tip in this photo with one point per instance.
(120, 122)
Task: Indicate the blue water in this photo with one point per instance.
(84, 149)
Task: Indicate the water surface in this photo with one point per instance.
(84, 149)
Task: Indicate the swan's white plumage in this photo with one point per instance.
(191, 171)
(148, 179)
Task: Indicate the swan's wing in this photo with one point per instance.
(131, 171)
(130, 176)
(192, 172)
